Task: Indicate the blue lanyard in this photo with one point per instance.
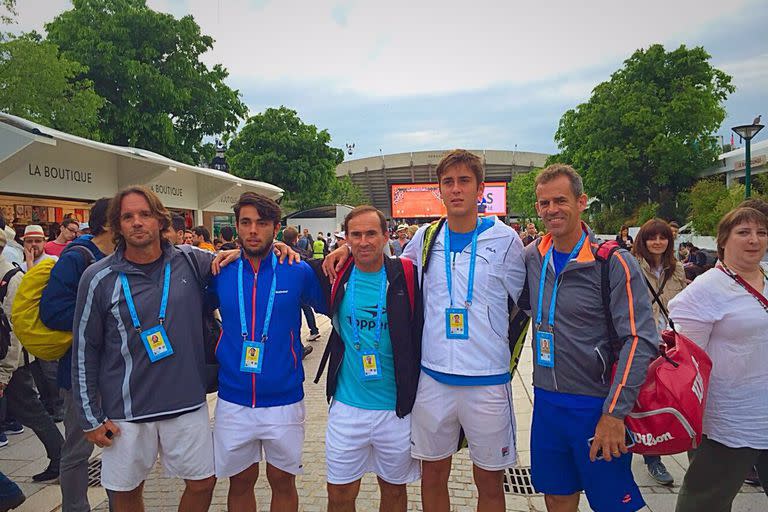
(472, 257)
(379, 307)
(163, 302)
(270, 302)
(556, 286)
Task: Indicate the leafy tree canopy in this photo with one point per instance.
(276, 146)
(710, 201)
(7, 11)
(521, 195)
(39, 85)
(649, 128)
(146, 65)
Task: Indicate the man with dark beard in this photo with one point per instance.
(261, 377)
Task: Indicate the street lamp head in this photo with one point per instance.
(747, 131)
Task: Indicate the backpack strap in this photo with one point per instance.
(192, 261)
(7, 279)
(429, 241)
(337, 282)
(84, 252)
(604, 254)
(408, 270)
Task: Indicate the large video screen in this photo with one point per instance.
(414, 200)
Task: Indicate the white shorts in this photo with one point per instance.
(484, 412)
(184, 444)
(360, 441)
(240, 433)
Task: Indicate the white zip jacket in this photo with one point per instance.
(499, 274)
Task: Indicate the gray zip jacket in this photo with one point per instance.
(581, 351)
(112, 376)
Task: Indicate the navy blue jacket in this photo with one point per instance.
(57, 305)
(281, 379)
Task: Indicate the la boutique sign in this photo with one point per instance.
(60, 173)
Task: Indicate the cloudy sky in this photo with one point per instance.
(410, 75)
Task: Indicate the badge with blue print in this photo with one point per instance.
(457, 323)
(545, 349)
(369, 361)
(156, 343)
(253, 356)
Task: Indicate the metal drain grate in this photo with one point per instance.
(517, 481)
(94, 472)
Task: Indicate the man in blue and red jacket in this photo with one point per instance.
(261, 377)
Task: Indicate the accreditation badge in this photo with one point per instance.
(545, 349)
(252, 357)
(156, 343)
(457, 323)
(369, 361)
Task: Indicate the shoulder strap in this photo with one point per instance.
(429, 241)
(337, 282)
(85, 252)
(192, 261)
(604, 254)
(657, 300)
(408, 271)
(7, 279)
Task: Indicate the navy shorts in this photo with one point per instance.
(560, 462)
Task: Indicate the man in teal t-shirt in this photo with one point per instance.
(369, 422)
(354, 388)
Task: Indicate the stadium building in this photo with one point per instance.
(404, 185)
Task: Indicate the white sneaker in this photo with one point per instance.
(314, 337)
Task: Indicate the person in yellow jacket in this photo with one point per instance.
(318, 248)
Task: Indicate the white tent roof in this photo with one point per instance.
(20, 138)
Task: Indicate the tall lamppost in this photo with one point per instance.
(747, 132)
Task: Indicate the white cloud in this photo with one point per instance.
(748, 74)
(404, 48)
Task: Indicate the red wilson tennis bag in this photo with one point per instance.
(668, 414)
(669, 411)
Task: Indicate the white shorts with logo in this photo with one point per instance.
(484, 412)
(360, 441)
(240, 433)
(184, 444)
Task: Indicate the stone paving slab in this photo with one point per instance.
(25, 456)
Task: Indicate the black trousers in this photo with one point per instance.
(24, 405)
(715, 475)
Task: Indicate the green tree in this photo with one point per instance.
(7, 11)
(710, 200)
(648, 129)
(276, 146)
(344, 191)
(39, 85)
(146, 64)
(521, 195)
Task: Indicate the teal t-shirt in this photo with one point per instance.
(351, 388)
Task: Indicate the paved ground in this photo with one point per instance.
(25, 456)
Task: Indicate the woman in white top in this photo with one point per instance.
(655, 251)
(725, 311)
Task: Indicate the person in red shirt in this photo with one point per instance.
(67, 232)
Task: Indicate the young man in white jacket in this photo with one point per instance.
(475, 265)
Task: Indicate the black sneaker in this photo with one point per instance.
(658, 472)
(314, 337)
(12, 502)
(306, 350)
(13, 427)
(3, 439)
(47, 475)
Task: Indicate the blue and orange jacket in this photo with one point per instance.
(582, 352)
(282, 376)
